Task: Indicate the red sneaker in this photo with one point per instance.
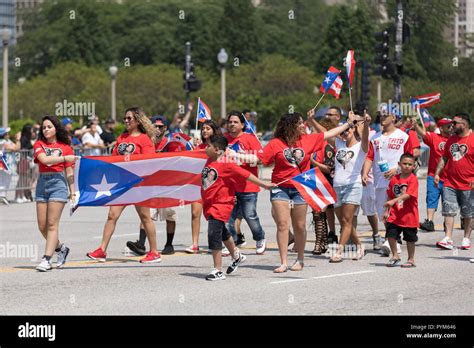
(151, 257)
(193, 249)
(98, 255)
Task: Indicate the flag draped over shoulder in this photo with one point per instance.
(158, 180)
(315, 189)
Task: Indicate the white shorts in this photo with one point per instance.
(380, 199)
(167, 214)
(368, 200)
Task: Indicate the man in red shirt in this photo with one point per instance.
(246, 192)
(436, 143)
(401, 211)
(220, 178)
(458, 190)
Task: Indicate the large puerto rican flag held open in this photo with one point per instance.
(315, 189)
(158, 180)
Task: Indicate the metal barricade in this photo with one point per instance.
(19, 181)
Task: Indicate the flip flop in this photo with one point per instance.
(393, 263)
(408, 264)
(284, 269)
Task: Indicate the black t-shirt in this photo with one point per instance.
(26, 144)
(108, 137)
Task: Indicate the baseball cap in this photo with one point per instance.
(444, 121)
(4, 131)
(66, 121)
(161, 118)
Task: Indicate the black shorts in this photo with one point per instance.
(394, 231)
(216, 233)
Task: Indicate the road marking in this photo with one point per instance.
(321, 277)
(120, 235)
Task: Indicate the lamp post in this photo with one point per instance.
(21, 81)
(113, 73)
(222, 58)
(6, 34)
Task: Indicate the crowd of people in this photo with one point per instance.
(371, 170)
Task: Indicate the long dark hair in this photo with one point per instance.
(62, 135)
(26, 132)
(216, 130)
(286, 128)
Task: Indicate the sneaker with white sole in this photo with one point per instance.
(236, 263)
(377, 241)
(44, 266)
(466, 244)
(225, 251)
(62, 256)
(385, 248)
(445, 243)
(215, 275)
(260, 246)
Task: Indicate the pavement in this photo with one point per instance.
(441, 284)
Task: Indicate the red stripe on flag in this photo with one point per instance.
(164, 202)
(170, 178)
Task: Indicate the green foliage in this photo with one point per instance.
(17, 125)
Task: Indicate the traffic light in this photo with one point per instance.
(191, 83)
(365, 82)
(385, 67)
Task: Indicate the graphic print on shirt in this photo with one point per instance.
(400, 189)
(294, 156)
(442, 145)
(126, 149)
(208, 177)
(344, 157)
(55, 152)
(458, 151)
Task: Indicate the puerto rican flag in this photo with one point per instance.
(426, 116)
(4, 163)
(203, 111)
(315, 189)
(181, 138)
(158, 180)
(330, 78)
(426, 100)
(350, 66)
(336, 88)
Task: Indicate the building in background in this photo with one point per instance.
(22, 7)
(460, 32)
(8, 17)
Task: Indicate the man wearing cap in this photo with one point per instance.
(436, 143)
(385, 150)
(67, 123)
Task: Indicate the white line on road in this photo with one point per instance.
(321, 277)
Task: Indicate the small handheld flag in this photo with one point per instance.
(315, 189)
(336, 88)
(4, 162)
(203, 111)
(350, 66)
(426, 100)
(328, 81)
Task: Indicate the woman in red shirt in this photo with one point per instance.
(138, 139)
(208, 129)
(290, 150)
(54, 156)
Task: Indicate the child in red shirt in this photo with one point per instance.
(401, 214)
(220, 177)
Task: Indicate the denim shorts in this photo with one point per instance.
(454, 200)
(433, 193)
(286, 194)
(51, 188)
(348, 194)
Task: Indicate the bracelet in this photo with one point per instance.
(351, 124)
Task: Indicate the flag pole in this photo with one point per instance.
(197, 115)
(247, 124)
(421, 118)
(350, 96)
(319, 101)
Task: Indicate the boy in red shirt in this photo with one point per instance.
(220, 177)
(401, 214)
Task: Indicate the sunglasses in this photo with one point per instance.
(125, 119)
(455, 123)
(159, 126)
(330, 114)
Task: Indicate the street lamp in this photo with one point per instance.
(113, 73)
(21, 81)
(222, 58)
(6, 35)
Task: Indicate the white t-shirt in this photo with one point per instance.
(388, 148)
(348, 163)
(95, 139)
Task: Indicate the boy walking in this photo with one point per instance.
(401, 211)
(220, 177)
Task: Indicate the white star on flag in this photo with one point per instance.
(327, 80)
(306, 177)
(103, 189)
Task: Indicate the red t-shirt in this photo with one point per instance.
(136, 145)
(219, 181)
(201, 146)
(404, 214)
(412, 137)
(436, 143)
(290, 161)
(52, 149)
(460, 167)
(248, 144)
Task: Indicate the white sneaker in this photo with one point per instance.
(19, 201)
(466, 244)
(44, 266)
(385, 249)
(471, 260)
(215, 275)
(261, 245)
(445, 243)
(62, 256)
(225, 251)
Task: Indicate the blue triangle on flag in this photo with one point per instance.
(101, 182)
(307, 178)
